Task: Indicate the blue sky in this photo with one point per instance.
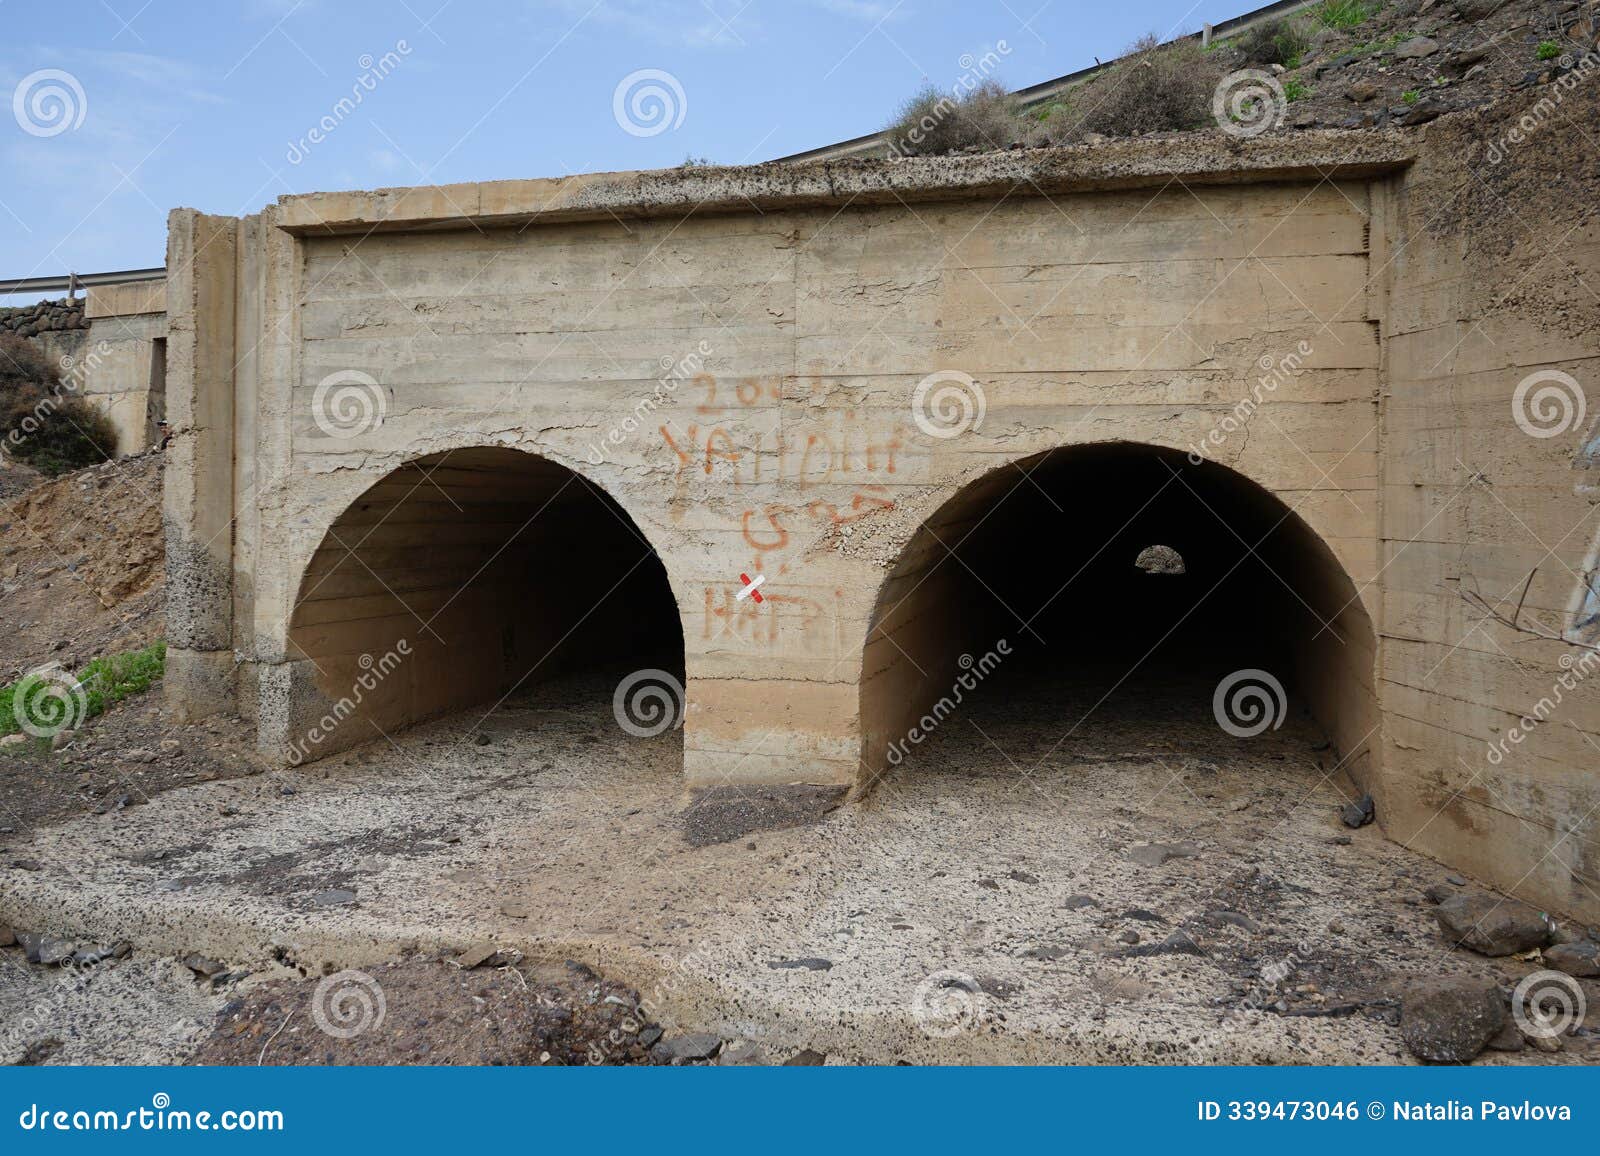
(213, 105)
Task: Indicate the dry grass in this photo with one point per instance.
(1276, 42)
(1154, 88)
(23, 363)
(933, 122)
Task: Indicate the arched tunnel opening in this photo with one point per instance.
(1116, 589)
(469, 579)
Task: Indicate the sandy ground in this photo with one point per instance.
(980, 906)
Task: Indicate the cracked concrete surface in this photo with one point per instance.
(980, 905)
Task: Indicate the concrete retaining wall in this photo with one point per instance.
(127, 379)
(110, 345)
(1491, 732)
(58, 328)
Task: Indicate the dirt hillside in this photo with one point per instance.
(81, 565)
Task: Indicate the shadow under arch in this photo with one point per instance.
(462, 578)
(1049, 554)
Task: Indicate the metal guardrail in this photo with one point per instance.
(1045, 91)
(72, 282)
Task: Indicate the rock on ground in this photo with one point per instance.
(1451, 1021)
(432, 1012)
(1577, 959)
(1491, 925)
(697, 1046)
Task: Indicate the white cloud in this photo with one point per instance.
(699, 23)
(683, 24)
(152, 74)
(85, 182)
(867, 11)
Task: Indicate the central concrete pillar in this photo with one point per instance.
(197, 506)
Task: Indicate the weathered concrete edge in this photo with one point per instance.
(169, 924)
(1111, 165)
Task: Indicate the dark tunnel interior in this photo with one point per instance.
(502, 571)
(1053, 556)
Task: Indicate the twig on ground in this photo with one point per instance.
(262, 1058)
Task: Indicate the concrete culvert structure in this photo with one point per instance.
(1021, 580)
(462, 579)
(757, 364)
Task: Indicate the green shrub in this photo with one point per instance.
(100, 685)
(933, 122)
(1548, 50)
(1344, 14)
(1156, 88)
(1276, 42)
(1054, 108)
(42, 421)
(1411, 95)
(1295, 90)
(54, 431)
(1369, 47)
(23, 363)
(109, 680)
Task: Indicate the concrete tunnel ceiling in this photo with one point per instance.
(492, 571)
(1052, 554)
